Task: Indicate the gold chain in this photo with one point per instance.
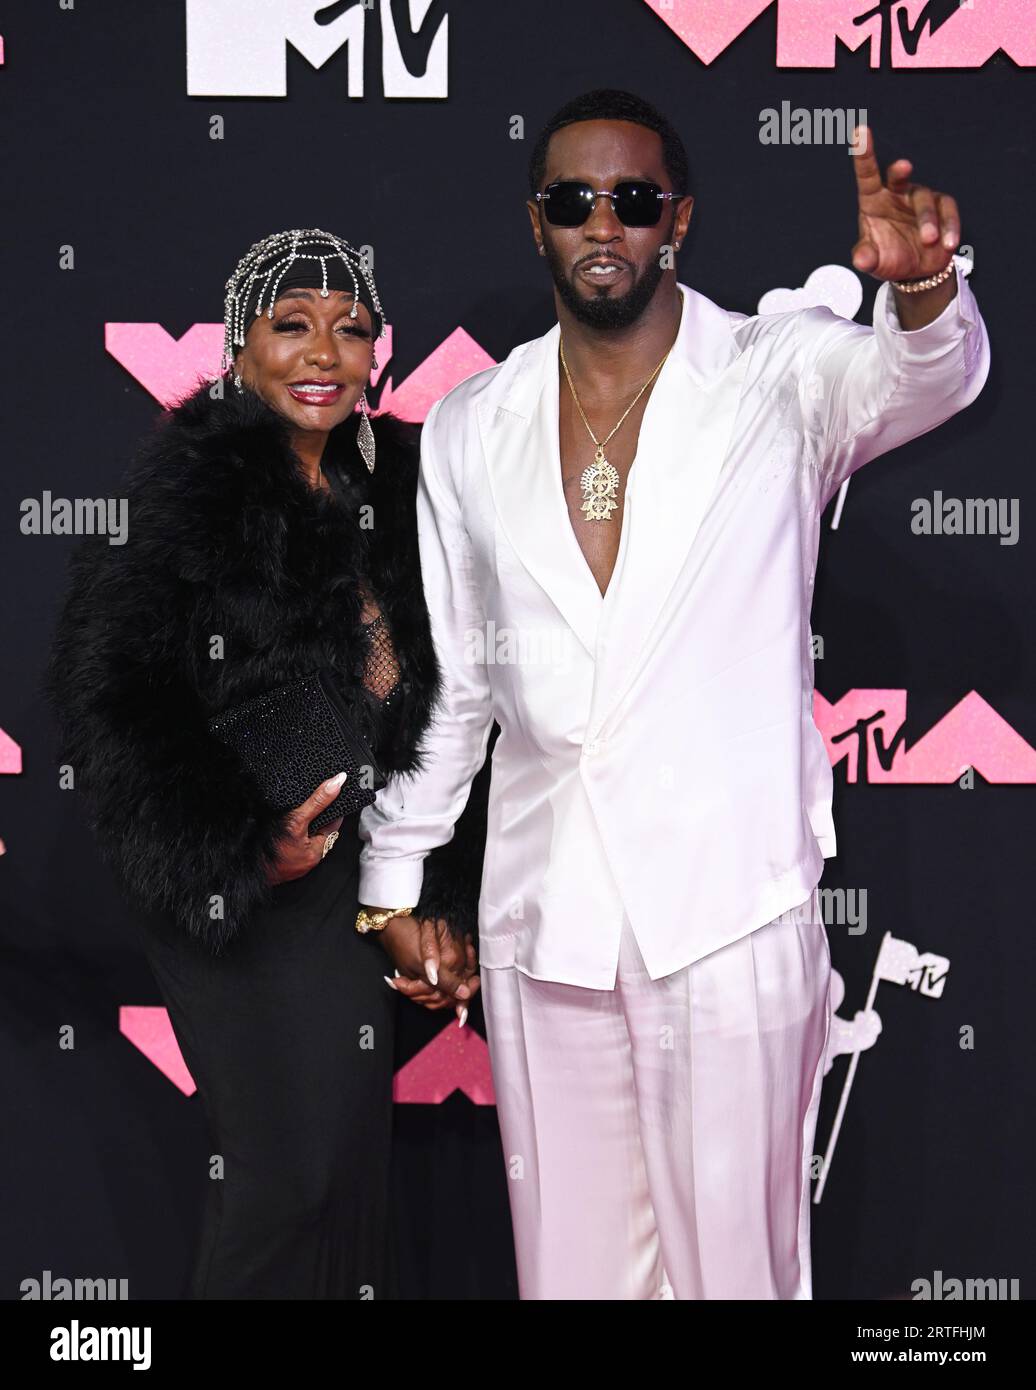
(602, 442)
(600, 481)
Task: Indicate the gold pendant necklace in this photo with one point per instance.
(600, 481)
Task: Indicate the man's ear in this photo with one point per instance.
(534, 218)
(684, 209)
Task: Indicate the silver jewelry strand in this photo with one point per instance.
(365, 435)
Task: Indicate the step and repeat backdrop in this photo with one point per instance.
(147, 146)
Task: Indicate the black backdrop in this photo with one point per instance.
(105, 151)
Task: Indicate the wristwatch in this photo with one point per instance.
(376, 921)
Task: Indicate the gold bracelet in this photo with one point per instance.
(376, 921)
(913, 286)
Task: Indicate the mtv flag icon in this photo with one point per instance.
(899, 963)
(239, 48)
(902, 964)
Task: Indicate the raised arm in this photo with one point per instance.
(866, 390)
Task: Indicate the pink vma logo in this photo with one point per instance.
(899, 33)
(865, 729)
(171, 367)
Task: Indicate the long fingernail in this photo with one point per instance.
(397, 974)
(391, 983)
(431, 972)
(335, 782)
(462, 1017)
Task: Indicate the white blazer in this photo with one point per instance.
(657, 753)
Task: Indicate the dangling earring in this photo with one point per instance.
(365, 435)
(237, 380)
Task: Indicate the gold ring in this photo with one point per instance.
(329, 843)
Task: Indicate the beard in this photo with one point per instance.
(604, 311)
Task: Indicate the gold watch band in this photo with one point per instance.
(377, 921)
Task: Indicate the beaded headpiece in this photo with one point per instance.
(265, 265)
(276, 263)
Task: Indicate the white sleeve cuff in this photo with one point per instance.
(391, 882)
(948, 326)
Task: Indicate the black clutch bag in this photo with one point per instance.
(297, 736)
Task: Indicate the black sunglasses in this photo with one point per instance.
(637, 202)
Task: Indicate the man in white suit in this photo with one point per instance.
(619, 529)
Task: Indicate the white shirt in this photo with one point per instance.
(657, 753)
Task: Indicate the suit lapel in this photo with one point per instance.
(519, 428)
(684, 437)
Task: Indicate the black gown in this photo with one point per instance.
(289, 1039)
(280, 1009)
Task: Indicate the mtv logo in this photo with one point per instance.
(903, 964)
(899, 33)
(865, 729)
(239, 48)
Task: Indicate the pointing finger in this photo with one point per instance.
(868, 175)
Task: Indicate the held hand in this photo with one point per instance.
(907, 231)
(458, 961)
(435, 970)
(299, 851)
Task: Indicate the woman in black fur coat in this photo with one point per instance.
(261, 548)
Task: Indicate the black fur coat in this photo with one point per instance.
(226, 539)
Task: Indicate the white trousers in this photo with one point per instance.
(658, 1136)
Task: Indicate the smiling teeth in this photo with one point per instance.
(325, 389)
